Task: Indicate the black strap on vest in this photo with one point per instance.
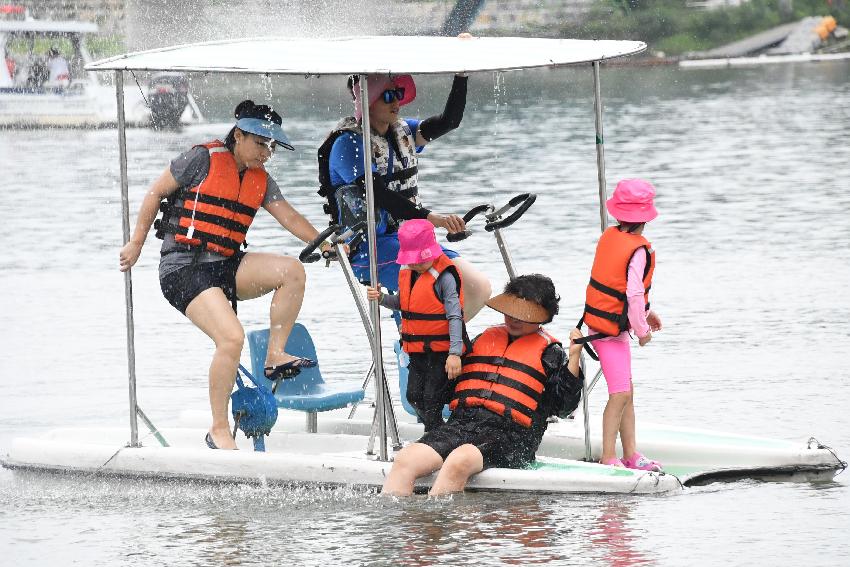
(585, 341)
(507, 363)
(607, 290)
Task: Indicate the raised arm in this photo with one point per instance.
(435, 126)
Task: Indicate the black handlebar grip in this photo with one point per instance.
(471, 214)
(307, 256)
(527, 199)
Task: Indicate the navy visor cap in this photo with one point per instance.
(265, 127)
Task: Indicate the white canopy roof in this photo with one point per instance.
(47, 26)
(361, 55)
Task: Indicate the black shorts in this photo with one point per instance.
(181, 286)
(502, 442)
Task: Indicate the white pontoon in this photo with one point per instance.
(339, 447)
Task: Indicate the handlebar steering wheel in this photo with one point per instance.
(471, 214)
(495, 220)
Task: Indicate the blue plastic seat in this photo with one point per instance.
(307, 392)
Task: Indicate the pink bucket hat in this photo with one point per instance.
(379, 83)
(417, 242)
(632, 201)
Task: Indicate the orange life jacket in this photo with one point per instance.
(503, 376)
(606, 307)
(424, 326)
(217, 213)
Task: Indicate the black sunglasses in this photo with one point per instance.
(390, 95)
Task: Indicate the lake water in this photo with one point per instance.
(753, 241)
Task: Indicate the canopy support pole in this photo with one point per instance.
(603, 217)
(128, 278)
(371, 241)
(600, 147)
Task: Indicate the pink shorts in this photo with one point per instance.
(615, 356)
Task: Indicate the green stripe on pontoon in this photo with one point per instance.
(601, 471)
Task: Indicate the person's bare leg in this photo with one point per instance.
(628, 437)
(611, 419)
(461, 464)
(212, 313)
(476, 288)
(261, 273)
(411, 462)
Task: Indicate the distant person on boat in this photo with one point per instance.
(396, 144)
(514, 378)
(433, 334)
(211, 194)
(617, 301)
(57, 66)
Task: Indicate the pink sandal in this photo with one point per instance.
(614, 462)
(641, 463)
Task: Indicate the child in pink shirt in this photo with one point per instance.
(617, 302)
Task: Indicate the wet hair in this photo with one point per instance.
(247, 109)
(537, 288)
(630, 227)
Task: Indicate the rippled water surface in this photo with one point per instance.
(753, 244)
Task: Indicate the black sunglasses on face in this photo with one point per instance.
(390, 95)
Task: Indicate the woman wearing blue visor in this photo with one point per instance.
(209, 196)
(396, 144)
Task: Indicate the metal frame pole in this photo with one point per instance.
(506, 255)
(128, 278)
(603, 218)
(600, 146)
(367, 325)
(377, 355)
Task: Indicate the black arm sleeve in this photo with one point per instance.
(399, 207)
(563, 390)
(435, 126)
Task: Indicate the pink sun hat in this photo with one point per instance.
(632, 201)
(377, 84)
(417, 242)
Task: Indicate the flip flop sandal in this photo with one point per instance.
(615, 462)
(210, 443)
(288, 370)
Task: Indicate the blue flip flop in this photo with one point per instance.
(288, 370)
(210, 443)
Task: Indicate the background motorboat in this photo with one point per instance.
(43, 82)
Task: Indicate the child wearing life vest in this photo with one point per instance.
(431, 302)
(617, 300)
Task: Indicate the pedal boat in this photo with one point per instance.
(339, 448)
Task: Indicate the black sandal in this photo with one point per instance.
(288, 370)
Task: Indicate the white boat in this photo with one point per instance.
(764, 59)
(339, 447)
(31, 98)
